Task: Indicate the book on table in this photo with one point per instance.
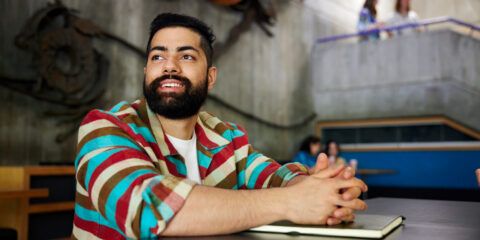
(364, 226)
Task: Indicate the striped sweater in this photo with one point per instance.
(131, 181)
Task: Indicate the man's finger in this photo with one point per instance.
(333, 221)
(355, 204)
(342, 212)
(351, 193)
(353, 182)
(330, 172)
(348, 173)
(321, 164)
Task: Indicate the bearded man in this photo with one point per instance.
(160, 166)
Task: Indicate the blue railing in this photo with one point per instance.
(423, 23)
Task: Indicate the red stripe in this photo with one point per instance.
(114, 158)
(169, 197)
(170, 146)
(272, 167)
(101, 231)
(219, 158)
(240, 141)
(123, 202)
(202, 137)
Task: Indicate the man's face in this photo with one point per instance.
(176, 75)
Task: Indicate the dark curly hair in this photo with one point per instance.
(305, 146)
(165, 20)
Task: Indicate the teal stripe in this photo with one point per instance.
(237, 133)
(117, 107)
(285, 173)
(165, 210)
(103, 142)
(256, 172)
(216, 150)
(181, 168)
(142, 131)
(97, 160)
(120, 189)
(252, 157)
(94, 216)
(203, 160)
(241, 178)
(147, 221)
(233, 125)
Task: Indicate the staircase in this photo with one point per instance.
(427, 73)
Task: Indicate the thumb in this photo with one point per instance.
(321, 164)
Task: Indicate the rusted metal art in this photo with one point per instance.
(262, 12)
(71, 72)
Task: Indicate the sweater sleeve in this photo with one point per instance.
(258, 171)
(115, 173)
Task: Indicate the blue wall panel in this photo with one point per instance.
(429, 169)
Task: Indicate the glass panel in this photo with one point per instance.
(378, 135)
(340, 135)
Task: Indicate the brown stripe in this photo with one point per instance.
(111, 183)
(84, 201)
(242, 164)
(81, 174)
(142, 112)
(228, 182)
(105, 131)
(72, 237)
(136, 219)
(275, 181)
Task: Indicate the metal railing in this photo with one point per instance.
(423, 23)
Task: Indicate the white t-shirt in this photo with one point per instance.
(397, 19)
(188, 150)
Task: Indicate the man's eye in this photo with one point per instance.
(188, 57)
(157, 57)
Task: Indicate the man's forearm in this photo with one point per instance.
(210, 210)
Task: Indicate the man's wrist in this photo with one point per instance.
(296, 180)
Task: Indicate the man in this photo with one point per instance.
(159, 166)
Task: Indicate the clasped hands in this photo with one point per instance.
(329, 195)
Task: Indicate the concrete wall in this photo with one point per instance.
(265, 77)
(432, 73)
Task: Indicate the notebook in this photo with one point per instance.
(364, 226)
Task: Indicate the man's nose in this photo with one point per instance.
(171, 66)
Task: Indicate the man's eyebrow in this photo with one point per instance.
(185, 48)
(159, 48)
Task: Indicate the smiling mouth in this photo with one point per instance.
(171, 86)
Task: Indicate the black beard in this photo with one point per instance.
(174, 105)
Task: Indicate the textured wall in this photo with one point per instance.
(432, 73)
(266, 77)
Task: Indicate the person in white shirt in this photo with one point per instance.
(402, 15)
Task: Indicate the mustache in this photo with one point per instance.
(156, 83)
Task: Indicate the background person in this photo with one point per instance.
(368, 20)
(332, 150)
(308, 152)
(402, 15)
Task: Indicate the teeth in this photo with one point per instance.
(170, 85)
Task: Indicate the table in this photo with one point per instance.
(425, 219)
(29, 193)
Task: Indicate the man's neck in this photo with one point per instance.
(179, 128)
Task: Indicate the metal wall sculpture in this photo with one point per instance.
(71, 72)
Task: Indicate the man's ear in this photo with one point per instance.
(212, 77)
